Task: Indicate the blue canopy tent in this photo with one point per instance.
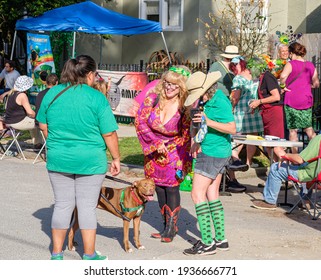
(88, 17)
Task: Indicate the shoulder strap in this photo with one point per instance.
(60, 93)
(297, 76)
(226, 70)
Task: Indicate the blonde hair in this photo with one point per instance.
(175, 78)
(102, 86)
(10, 92)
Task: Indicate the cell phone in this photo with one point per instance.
(195, 111)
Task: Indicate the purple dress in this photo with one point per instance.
(151, 134)
(300, 97)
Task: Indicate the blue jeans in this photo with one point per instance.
(275, 178)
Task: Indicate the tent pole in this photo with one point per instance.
(101, 48)
(13, 44)
(74, 45)
(170, 61)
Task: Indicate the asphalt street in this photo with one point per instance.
(27, 203)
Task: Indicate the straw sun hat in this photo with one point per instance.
(231, 51)
(198, 83)
(23, 83)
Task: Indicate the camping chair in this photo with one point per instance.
(310, 193)
(14, 134)
(42, 148)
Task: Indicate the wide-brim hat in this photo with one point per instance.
(231, 51)
(23, 83)
(198, 83)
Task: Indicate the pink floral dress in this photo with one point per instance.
(151, 134)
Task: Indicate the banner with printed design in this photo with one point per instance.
(125, 86)
(40, 60)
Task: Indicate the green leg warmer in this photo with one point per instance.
(204, 220)
(217, 212)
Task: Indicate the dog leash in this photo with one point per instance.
(118, 180)
(120, 213)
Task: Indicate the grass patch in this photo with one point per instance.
(130, 151)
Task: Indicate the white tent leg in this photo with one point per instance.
(100, 49)
(74, 46)
(170, 61)
(13, 44)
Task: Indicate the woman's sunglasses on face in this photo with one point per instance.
(171, 85)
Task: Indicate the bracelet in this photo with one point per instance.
(282, 86)
(261, 102)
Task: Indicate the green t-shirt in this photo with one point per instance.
(215, 143)
(226, 81)
(308, 172)
(76, 121)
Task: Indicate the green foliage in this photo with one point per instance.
(60, 42)
(13, 10)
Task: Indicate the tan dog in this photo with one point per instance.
(129, 201)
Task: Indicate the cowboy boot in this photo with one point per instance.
(171, 225)
(159, 234)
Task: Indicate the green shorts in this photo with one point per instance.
(297, 119)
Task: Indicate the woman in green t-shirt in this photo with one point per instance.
(78, 123)
(212, 156)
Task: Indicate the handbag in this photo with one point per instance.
(235, 97)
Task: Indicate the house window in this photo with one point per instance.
(251, 13)
(168, 12)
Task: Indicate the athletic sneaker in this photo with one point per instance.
(234, 186)
(238, 165)
(199, 248)
(57, 257)
(222, 245)
(96, 257)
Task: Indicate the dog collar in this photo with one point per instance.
(139, 202)
(125, 209)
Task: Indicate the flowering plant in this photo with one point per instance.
(278, 67)
(263, 62)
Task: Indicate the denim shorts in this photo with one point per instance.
(210, 166)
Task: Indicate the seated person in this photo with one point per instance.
(51, 80)
(19, 114)
(9, 74)
(300, 170)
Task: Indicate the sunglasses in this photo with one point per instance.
(171, 85)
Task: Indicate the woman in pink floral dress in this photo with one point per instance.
(162, 127)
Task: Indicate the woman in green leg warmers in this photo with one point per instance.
(212, 152)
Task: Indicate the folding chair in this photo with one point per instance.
(42, 148)
(14, 134)
(3, 133)
(307, 191)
